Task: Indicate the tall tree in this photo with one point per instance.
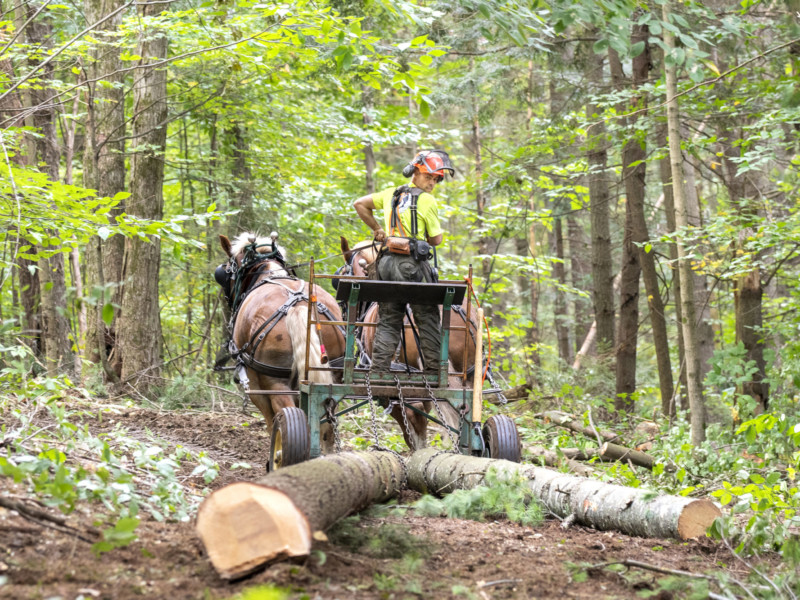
(104, 164)
(140, 326)
(53, 288)
(694, 389)
(599, 197)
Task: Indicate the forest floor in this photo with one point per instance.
(383, 554)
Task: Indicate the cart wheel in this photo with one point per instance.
(291, 441)
(502, 438)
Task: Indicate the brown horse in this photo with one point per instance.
(270, 324)
(462, 343)
(461, 347)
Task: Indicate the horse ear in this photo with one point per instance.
(348, 254)
(225, 243)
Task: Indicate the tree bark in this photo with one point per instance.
(602, 276)
(104, 166)
(369, 151)
(560, 314)
(56, 342)
(600, 505)
(140, 326)
(693, 385)
(245, 525)
(580, 270)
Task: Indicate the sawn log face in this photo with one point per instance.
(594, 503)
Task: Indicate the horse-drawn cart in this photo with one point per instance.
(457, 404)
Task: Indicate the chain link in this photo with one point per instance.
(453, 439)
(402, 402)
(330, 411)
(377, 445)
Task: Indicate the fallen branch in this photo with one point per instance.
(567, 459)
(570, 422)
(600, 505)
(45, 519)
(619, 453)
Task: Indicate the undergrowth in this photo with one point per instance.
(48, 448)
(497, 498)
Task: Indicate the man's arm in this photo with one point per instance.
(436, 240)
(364, 207)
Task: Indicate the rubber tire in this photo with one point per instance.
(290, 442)
(502, 438)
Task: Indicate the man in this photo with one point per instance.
(406, 253)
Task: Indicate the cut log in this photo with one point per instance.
(245, 525)
(600, 505)
(570, 422)
(616, 452)
(567, 459)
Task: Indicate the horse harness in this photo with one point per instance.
(246, 354)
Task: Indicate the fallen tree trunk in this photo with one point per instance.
(568, 459)
(247, 524)
(616, 452)
(594, 503)
(573, 424)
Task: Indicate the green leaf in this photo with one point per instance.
(600, 46)
(637, 49)
(424, 109)
(108, 314)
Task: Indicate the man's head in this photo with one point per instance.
(429, 168)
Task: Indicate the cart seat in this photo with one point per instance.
(402, 291)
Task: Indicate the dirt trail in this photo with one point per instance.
(401, 556)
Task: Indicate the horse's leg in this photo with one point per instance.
(416, 437)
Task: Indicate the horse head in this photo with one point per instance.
(250, 258)
(360, 256)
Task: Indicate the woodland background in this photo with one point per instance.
(626, 192)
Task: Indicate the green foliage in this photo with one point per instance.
(49, 444)
(388, 540)
(262, 592)
(499, 497)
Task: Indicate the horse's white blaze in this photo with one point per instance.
(297, 324)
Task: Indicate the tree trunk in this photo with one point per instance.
(694, 389)
(668, 406)
(245, 525)
(56, 342)
(633, 176)
(602, 276)
(632, 511)
(580, 270)
(560, 309)
(369, 152)
(748, 291)
(140, 326)
(104, 164)
(246, 219)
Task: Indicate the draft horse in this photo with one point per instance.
(269, 325)
(358, 261)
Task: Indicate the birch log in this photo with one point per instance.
(594, 503)
(248, 524)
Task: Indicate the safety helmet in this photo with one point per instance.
(435, 162)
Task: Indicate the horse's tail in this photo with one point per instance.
(297, 323)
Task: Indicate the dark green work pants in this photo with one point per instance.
(397, 267)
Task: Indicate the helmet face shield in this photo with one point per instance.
(436, 162)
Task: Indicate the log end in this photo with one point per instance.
(696, 518)
(243, 526)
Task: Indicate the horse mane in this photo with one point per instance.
(241, 241)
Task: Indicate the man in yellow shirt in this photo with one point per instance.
(410, 215)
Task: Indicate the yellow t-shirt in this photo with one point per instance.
(427, 213)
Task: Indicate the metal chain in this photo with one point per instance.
(453, 439)
(503, 399)
(330, 410)
(377, 445)
(402, 402)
